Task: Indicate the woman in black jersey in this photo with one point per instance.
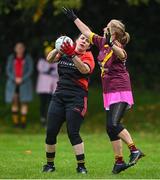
(69, 102)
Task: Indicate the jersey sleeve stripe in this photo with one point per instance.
(91, 37)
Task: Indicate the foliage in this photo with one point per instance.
(37, 21)
(69, 3)
(137, 2)
(36, 6)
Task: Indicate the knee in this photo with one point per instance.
(51, 137)
(74, 138)
(24, 108)
(111, 128)
(113, 131)
(14, 108)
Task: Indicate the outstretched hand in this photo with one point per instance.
(109, 39)
(68, 49)
(69, 13)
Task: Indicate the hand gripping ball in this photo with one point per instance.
(60, 41)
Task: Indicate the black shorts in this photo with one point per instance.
(65, 107)
(63, 102)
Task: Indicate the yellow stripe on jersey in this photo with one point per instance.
(91, 37)
(104, 61)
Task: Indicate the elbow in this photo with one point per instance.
(48, 58)
(122, 57)
(85, 71)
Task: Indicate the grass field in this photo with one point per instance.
(22, 156)
(22, 152)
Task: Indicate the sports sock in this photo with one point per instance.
(15, 117)
(23, 118)
(119, 159)
(50, 158)
(132, 147)
(80, 160)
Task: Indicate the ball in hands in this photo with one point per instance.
(61, 40)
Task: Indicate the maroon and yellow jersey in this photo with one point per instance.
(114, 74)
(70, 78)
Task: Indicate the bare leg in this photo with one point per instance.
(117, 147)
(24, 111)
(50, 148)
(125, 136)
(79, 149)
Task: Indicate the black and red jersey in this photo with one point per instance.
(70, 78)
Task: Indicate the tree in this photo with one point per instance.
(36, 7)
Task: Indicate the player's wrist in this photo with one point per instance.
(74, 17)
(73, 56)
(111, 44)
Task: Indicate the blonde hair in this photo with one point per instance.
(118, 28)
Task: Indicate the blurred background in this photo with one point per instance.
(38, 23)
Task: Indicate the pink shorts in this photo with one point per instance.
(115, 97)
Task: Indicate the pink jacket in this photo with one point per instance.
(47, 77)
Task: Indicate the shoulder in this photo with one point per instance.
(10, 57)
(87, 55)
(97, 40)
(94, 36)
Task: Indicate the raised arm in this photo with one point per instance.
(81, 26)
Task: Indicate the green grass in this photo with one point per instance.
(22, 151)
(22, 156)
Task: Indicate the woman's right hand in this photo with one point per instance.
(69, 13)
(68, 49)
(109, 39)
(81, 26)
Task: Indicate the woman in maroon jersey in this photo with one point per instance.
(117, 93)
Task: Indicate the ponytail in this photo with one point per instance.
(125, 39)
